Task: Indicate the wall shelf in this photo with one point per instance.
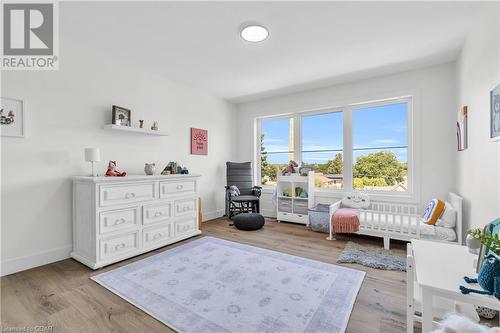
(137, 130)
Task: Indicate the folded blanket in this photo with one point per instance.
(345, 220)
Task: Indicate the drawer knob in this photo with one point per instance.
(157, 214)
(120, 246)
(129, 195)
(120, 221)
(158, 235)
(180, 187)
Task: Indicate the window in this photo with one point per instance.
(365, 146)
(276, 147)
(322, 148)
(380, 147)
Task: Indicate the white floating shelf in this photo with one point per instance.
(133, 130)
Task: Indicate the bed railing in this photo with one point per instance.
(390, 218)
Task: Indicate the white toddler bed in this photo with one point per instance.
(401, 221)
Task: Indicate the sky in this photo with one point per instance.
(373, 127)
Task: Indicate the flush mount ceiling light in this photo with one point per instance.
(254, 33)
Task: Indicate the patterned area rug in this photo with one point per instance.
(371, 256)
(213, 285)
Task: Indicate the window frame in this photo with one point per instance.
(347, 151)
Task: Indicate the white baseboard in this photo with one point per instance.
(18, 264)
(212, 215)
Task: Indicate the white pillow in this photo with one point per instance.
(449, 217)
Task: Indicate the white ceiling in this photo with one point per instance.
(311, 44)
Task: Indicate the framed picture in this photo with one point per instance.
(12, 119)
(462, 129)
(199, 141)
(121, 116)
(495, 114)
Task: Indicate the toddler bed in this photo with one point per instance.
(402, 221)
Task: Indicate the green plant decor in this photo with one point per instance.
(491, 241)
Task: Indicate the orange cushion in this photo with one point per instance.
(433, 211)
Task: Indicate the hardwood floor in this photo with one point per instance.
(62, 296)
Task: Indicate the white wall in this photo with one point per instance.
(478, 71)
(433, 91)
(65, 112)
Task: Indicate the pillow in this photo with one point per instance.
(449, 217)
(356, 200)
(433, 211)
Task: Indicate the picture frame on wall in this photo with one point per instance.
(495, 114)
(12, 118)
(462, 135)
(121, 116)
(199, 141)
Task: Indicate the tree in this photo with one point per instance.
(380, 165)
(334, 166)
(267, 170)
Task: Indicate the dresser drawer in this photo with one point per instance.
(126, 193)
(185, 226)
(157, 234)
(156, 213)
(118, 245)
(177, 187)
(185, 207)
(115, 220)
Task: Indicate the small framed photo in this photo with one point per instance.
(121, 116)
(12, 119)
(495, 114)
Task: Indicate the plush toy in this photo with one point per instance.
(457, 324)
(488, 278)
(290, 168)
(234, 191)
(111, 172)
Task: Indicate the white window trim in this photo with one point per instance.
(412, 192)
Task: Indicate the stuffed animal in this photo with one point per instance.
(111, 172)
(457, 324)
(234, 191)
(290, 168)
(488, 278)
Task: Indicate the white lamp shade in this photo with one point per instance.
(92, 155)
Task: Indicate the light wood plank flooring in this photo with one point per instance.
(61, 294)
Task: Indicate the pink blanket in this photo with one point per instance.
(345, 220)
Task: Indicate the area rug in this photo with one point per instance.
(371, 256)
(213, 285)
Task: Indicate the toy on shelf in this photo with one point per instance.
(290, 168)
(300, 192)
(111, 172)
(287, 192)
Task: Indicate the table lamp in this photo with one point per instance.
(92, 155)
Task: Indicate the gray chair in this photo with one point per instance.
(241, 176)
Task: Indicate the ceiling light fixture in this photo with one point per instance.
(254, 33)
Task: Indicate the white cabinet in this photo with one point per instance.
(291, 206)
(115, 218)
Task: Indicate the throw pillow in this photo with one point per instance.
(433, 211)
(449, 217)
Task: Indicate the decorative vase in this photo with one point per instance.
(149, 169)
(473, 244)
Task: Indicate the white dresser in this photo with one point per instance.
(115, 218)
